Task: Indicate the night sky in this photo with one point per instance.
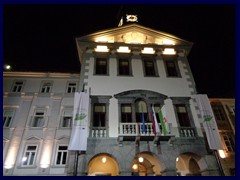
(42, 37)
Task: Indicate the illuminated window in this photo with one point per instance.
(126, 113)
(29, 155)
(66, 120)
(99, 115)
(38, 119)
(18, 86)
(62, 152)
(71, 87)
(7, 118)
(228, 140)
(46, 87)
(101, 66)
(123, 67)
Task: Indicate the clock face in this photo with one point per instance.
(131, 18)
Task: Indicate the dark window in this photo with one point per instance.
(17, 86)
(171, 69)
(183, 116)
(149, 68)
(123, 67)
(101, 66)
(229, 142)
(141, 110)
(61, 155)
(99, 115)
(126, 113)
(218, 112)
(72, 87)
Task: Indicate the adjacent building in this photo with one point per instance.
(132, 74)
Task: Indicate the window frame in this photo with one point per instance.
(42, 122)
(17, 86)
(61, 152)
(11, 120)
(124, 57)
(62, 118)
(173, 59)
(24, 155)
(48, 87)
(152, 59)
(71, 87)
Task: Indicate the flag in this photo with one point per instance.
(209, 122)
(163, 120)
(78, 140)
(143, 124)
(156, 128)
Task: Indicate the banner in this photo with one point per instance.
(209, 122)
(78, 140)
(156, 128)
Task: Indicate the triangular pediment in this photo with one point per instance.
(134, 34)
(33, 138)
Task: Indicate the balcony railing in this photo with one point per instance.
(135, 129)
(187, 132)
(99, 132)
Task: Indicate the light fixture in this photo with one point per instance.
(169, 51)
(148, 50)
(123, 49)
(177, 159)
(102, 49)
(140, 159)
(7, 67)
(135, 166)
(104, 159)
(167, 42)
(221, 154)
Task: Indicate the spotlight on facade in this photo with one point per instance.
(44, 165)
(221, 154)
(8, 166)
(104, 159)
(7, 67)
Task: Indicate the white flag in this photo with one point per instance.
(156, 125)
(209, 122)
(78, 140)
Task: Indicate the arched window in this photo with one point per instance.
(141, 110)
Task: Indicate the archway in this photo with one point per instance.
(103, 165)
(190, 164)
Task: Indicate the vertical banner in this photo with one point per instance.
(209, 122)
(163, 119)
(78, 140)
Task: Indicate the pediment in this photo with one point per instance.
(134, 34)
(33, 138)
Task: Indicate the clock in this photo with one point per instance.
(131, 18)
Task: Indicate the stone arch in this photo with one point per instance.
(103, 164)
(190, 164)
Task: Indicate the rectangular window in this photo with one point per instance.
(124, 68)
(218, 112)
(18, 85)
(101, 66)
(171, 69)
(228, 140)
(7, 118)
(126, 113)
(149, 68)
(29, 155)
(99, 115)
(72, 87)
(46, 87)
(182, 115)
(38, 119)
(66, 118)
(61, 155)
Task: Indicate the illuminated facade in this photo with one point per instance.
(224, 111)
(129, 71)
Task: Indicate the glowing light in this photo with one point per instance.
(11, 157)
(221, 154)
(101, 39)
(148, 50)
(140, 159)
(168, 42)
(102, 49)
(7, 67)
(46, 156)
(24, 159)
(123, 49)
(177, 159)
(8, 166)
(44, 165)
(104, 159)
(169, 51)
(135, 166)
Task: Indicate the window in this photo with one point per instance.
(18, 85)
(46, 87)
(182, 115)
(61, 155)
(29, 155)
(101, 66)
(126, 113)
(171, 68)
(124, 67)
(38, 119)
(66, 118)
(7, 118)
(218, 112)
(228, 140)
(72, 87)
(141, 109)
(99, 115)
(149, 68)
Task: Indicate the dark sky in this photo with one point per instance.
(42, 37)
